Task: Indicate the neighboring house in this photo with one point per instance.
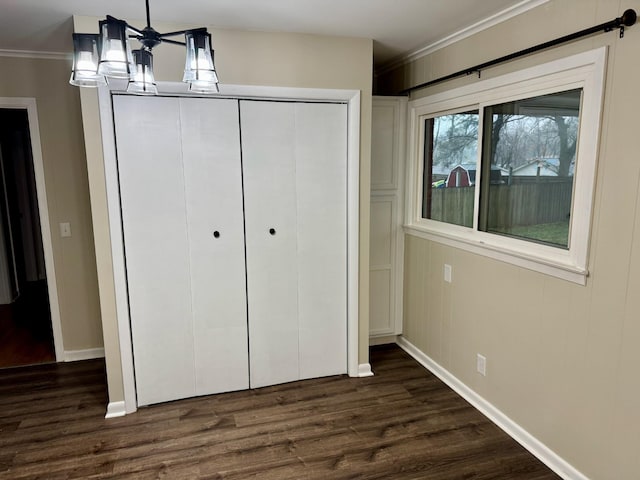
(539, 167)
(440, 170)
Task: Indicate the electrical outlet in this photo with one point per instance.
(481, 365)
(447, 273)
(65, 229)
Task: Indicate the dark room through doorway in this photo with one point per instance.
(26, 335)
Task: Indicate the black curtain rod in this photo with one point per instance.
(627, 19)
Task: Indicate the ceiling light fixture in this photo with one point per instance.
(98, 57)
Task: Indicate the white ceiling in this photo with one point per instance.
(396, 26)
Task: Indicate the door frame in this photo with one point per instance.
(350, 97)
(29, 104)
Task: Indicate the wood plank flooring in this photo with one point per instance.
(403, 423)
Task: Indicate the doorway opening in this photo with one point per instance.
(26, 333)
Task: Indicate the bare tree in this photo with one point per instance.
(455, 138)
(567, 146)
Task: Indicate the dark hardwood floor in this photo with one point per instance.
(25, 328)
(403, 423)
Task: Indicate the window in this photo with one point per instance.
(506, 167)
(451, 150)
(530, 146)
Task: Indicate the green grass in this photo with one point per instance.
(556, 234)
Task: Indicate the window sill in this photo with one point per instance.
(549, 266)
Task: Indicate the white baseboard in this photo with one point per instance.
(382, 340)
(88, 354)
(515, 431)
(364, 370)
(115, 409)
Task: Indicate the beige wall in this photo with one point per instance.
(65, 170)
(562, 359)
(242, 58)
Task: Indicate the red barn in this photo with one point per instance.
(459, 177)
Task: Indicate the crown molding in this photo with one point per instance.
(488, 22)
(35, 54)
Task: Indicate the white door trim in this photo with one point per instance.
(351, 97)
(29, 104)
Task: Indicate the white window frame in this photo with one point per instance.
(586, 71)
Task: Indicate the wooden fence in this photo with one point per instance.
(509, 205)
(452, 205)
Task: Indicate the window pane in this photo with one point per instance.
(529, 147)
(450, 159)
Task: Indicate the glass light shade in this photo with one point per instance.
(203, 87)
(142, 82)
(116, 59)
(86, 55)
(199, 70)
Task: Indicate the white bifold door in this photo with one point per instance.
(181, 196)
(295, 177)
(234, 226)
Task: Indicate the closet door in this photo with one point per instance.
(268, 153)
(181, 193)
(294, 157)
(156, 245)
(215, 227)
